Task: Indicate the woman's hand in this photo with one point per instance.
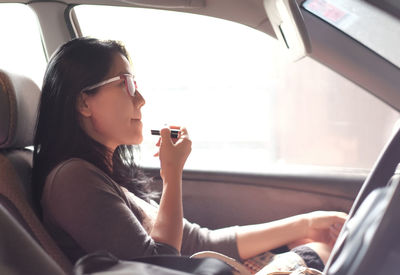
(168, 226)
(325, 226)
(173, 152)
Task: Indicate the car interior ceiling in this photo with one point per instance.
(30, 248)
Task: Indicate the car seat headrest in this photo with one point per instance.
(19, 99)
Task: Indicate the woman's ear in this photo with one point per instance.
(83, 106)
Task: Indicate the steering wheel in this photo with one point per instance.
(368, 242)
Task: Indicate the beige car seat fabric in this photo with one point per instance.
(19, 97)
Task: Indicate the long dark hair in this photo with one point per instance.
(77, 64)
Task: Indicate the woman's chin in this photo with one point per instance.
(137, 140)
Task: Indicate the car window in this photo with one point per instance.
(21, 49)
(246, 107)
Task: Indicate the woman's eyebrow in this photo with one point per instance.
(124, 72)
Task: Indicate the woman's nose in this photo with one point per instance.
(138, 100)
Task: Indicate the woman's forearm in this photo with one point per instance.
(168, 227)
(255, 239)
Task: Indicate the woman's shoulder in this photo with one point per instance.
(76, 173)
(73, 163)
(74, 185)
(75, 167)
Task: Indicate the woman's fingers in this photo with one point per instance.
(333, 235)
(173, 152)
(183, 132)
(156, 154)
(324, 219)
(337, 227)
(334, 230)
(325, 226)
(165, 135)
(158, 142)
(164, 140)
(339, 218)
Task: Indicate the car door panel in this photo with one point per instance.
(216, 200)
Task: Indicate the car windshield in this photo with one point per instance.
(364, 22)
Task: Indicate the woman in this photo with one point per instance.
(92, 196)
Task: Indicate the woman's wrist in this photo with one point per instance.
(171, 175)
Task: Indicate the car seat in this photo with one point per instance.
(19, 252)
(19, 98)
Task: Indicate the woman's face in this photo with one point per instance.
(112, 116)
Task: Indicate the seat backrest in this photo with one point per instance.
(19, 98)
(20, 254)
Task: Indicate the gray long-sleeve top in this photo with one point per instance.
(86, 211)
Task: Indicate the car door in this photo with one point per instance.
(271, 138)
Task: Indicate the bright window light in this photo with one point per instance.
(21, 49)
(246, 108)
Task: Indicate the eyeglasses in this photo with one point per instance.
(129, 80)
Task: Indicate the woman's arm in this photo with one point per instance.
(168, 226)
(317, 226)
(86, 211)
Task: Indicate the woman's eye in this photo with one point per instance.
(121, 84)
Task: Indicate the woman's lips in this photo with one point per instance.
(137, 117)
